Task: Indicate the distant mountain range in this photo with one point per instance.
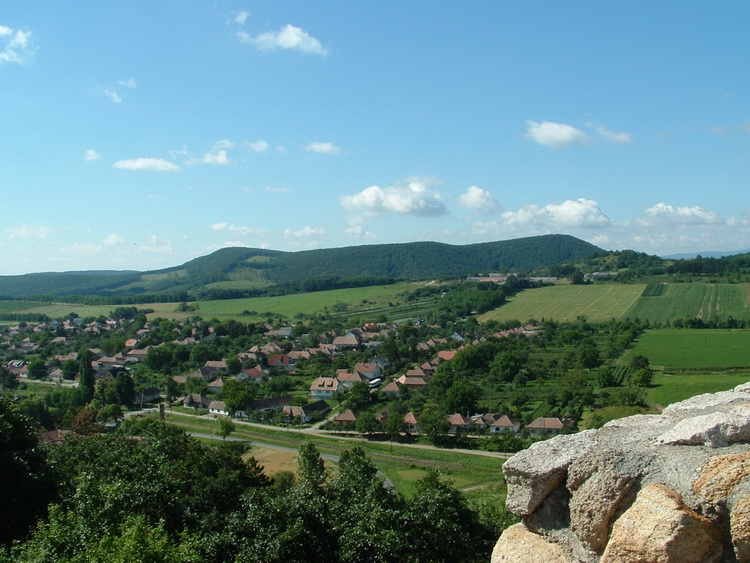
(232, 271)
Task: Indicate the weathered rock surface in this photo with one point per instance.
(668, 487)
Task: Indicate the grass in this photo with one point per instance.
(599, 302)
(668, 389)
(689, 349)
(694, 300)
(362, 301)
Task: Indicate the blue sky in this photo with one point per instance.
(142, 134)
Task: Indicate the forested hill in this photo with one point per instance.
(246, 268)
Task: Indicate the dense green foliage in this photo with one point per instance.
(159, 495)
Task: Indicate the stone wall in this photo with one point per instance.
(671, 487)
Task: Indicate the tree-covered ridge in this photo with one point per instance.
(293, 271)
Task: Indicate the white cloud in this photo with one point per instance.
(157, 164)
(129, 83)
(28, 231)
(617, 138)
(689, 216)
(222, 144)
(412, 199)
(359, 231)
(113, 240)
(258, 146)
(323, 148)
(92, 155)
(218, 157)
(247, 231)
(555, 135)
(288, 37)
(570, 214)
(479, 200)
(277, 189)
(15, 45)
(112, 95)
(241, 17)
(305, 231)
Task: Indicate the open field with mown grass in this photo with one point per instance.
(364, 302)
(599, 302)
(672, 388)
(666, 302)
(676, 349)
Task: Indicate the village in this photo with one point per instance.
(277, 381)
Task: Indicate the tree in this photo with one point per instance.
(642, 377)
(589, 357)
(358, 396)
(70, 369)
(87, 381)
(368, 424)
(311, 468)
(605, 376)
(8, 380)
(125, 389)
(28, 484)
(433, 423)
(37, 369)
(225, 426)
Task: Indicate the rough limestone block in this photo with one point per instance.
(599, 483)
(739, 521)
(519, 545)
(717, 429)
(534, 473)
(659, 528)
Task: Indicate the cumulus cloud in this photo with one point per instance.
(92, 155)
(555, 135)
(258, 146)
(479, 200)
(305, 231)
(323, 148)
(113, 240)
(247, 231)
(288, 37)
(129, 83)
(241, 17)
(28, 231)
(15, 45)
(570, 214)
(413, 199)
(217, 157)
(617, 138)
(157, 164)
(689, 216)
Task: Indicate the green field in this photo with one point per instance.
(668, 389)
(665, 302)
(364, 302)
(598, 302)
(688, 349)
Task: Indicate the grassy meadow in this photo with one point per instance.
(678, 349)
(664, 302)
(599, 302)
(368, 302)
(690, 362)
